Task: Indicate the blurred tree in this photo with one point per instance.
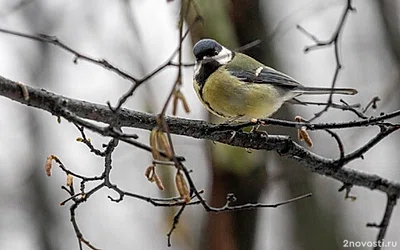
(388, 11)
(245, 175)
(41, 206)
(233, 169)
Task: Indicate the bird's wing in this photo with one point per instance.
(265, 75)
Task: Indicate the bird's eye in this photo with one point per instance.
(215, 53)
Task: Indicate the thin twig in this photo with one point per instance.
(354, 110)
(391, 202)
(174, 223)
(372, 103)
(78, 55)
(359, 153)
(339, 142)
(333, 41)
(88, 143)
(148, 76)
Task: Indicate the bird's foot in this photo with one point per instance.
(256, 128)
(232, 120)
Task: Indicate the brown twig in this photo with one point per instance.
(174, 223)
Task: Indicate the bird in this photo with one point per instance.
(237, 87)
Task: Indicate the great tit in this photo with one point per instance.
(235, 86)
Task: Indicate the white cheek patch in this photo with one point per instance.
(258, 71)
(197, 67)
(224, 56)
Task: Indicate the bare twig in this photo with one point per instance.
(139, 82)
(372, 103)
(353, 109)
(333, 41)
(391, 202)
(228, 207)
(347, 188)
(78, 55)
(362, 150)
(87, 142)
(174, 223)
(339, 142)
(249, 45)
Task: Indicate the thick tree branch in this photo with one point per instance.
(283, 145)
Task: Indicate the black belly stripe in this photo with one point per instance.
(206, 70)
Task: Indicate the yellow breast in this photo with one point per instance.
(227, 97)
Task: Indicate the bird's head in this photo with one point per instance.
(208, 51)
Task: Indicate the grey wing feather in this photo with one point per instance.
(266, 76)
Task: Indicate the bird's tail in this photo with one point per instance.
(324, 91)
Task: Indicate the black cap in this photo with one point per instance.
(206, 47)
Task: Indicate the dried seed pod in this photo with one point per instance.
(149, 173)
(304, 136)
(158, 181)
(175, 104)
(182, 186)
(153, 143)
(48, 165)
(302, 133)
(299, 135)
(163, 142)
(184, 103)
(298, 118)
(69, 180)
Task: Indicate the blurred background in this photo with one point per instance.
(138, 36)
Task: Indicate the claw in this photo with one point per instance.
(232, 136)
(232, 119)
(255, 129)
